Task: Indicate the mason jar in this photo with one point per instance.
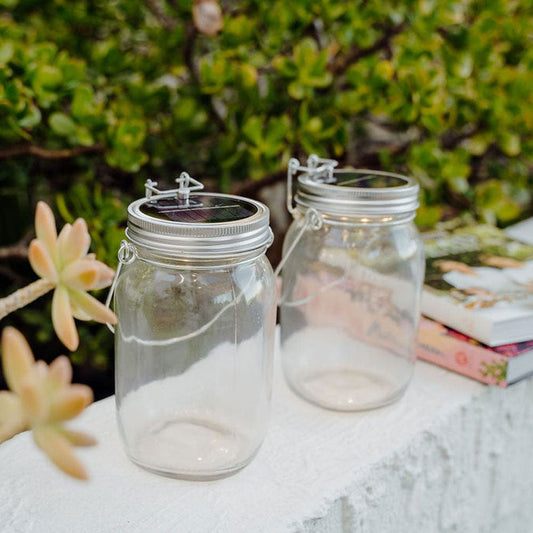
(195, 301)
(351, 285)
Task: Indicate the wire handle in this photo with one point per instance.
(312, 220)
(126, 254)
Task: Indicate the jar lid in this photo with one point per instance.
(200, 225)
(355, 192)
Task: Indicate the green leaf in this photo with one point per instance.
(248, 75)
(31, 118)
(351, 102)
(83, 136)
(47, 77)
(507, 210)
(252, 129)
(296, 90)
(285, 66)
(431, 122)
(83, 102)
(12, 93)
(7, 49)
(510, 144)
(319, 81)
(130, 161)
(305, 52)
(130, 134)
(477, 144)
(464, 65)
(314, 125)
(428, 216)
(9, 4)
(275, 134)
(277, 129)
(73, 70)
(62, 124)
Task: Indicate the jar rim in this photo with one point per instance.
(334, 196)
(200, 239)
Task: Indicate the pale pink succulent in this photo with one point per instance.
(41, 399)
(64, 262)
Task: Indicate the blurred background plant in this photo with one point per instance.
(96, 96)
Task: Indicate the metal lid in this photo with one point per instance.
(354, 192)
(199, 225)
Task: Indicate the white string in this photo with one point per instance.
(312, 296)
(312, 220)
(195, 333)
(126, 255)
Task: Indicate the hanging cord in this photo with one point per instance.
(126, 255)
(312, 220)
(195, 333)
(311, 297)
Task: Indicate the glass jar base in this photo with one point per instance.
(347, 390)
(191, 449)
(192, 476)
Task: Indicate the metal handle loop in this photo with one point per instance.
(126, 254)
(292, 169)
(313, 219)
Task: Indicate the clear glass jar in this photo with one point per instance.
(351, 288)
(195, 301)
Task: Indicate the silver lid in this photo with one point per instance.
(201, 225)
(358, 192)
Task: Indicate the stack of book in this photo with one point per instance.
(477, 302)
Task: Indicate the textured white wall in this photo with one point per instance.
(451, 455)
(469, 471)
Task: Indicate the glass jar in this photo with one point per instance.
(351, 285)
(195, 301)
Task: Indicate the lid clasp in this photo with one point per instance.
(317, 167)
(186, 186)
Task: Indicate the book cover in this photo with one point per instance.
(499, 365)
(479, 281)
(521, 231)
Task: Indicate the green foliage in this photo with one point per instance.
(95, 97)
(447, 84)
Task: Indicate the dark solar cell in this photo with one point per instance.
(368, 181)
(200, 209)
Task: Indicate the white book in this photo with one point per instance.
(479, 281)
(522, 231)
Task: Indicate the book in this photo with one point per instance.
(479, 281)
(499, 365)
(521, 231)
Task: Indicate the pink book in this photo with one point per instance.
(496, 365)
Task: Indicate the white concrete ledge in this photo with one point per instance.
(451, 455)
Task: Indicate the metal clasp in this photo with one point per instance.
(317, 167)
(186, 186)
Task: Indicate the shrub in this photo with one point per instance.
(97, 96)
